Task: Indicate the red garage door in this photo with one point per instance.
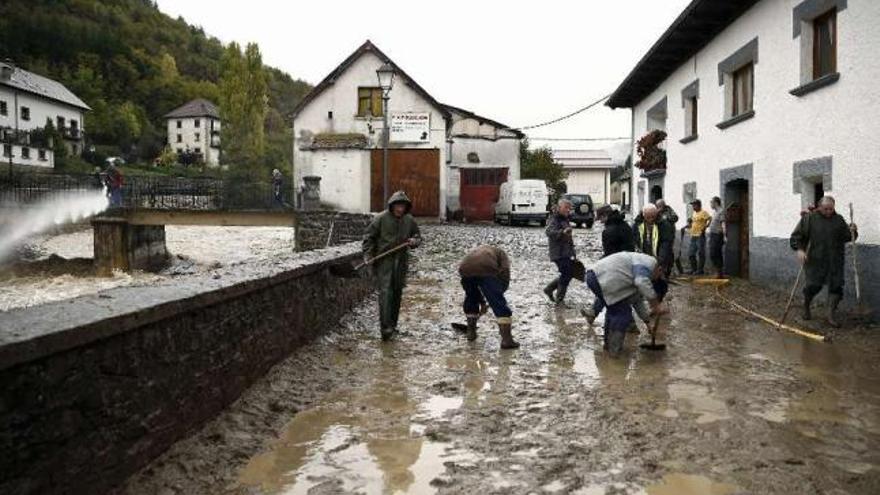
(417, 172)
(479, 192)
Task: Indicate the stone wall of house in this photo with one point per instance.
(323, 228)
(94, 388)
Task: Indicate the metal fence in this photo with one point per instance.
(153, 192)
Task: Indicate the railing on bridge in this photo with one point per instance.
(146, 192)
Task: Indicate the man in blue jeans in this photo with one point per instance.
(621, 281)
(561, 246)
(485, 277)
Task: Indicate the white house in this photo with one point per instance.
(195, 127)
(338, 136)
(589, 172)
(27, 102)
(769, 105)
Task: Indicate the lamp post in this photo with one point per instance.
(386, 81)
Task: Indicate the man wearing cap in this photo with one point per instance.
(392, 228)
(697, 252)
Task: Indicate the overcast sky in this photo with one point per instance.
(520, 63)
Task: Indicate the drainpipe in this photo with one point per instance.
(293, 161)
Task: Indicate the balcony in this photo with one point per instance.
(73, 133)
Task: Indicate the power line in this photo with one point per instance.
(621, 138)
(572, 114)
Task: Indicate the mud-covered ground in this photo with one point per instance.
(732, 406)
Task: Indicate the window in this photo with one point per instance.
(179, 124)
(198, 136)
(198, 123)
(179, 138)
(3, 109)
(41, 154)
(197, 150)
(25, 113)
(690, 120)
(369, 102)
(743, 89)
(60, 122)
(74, 149)
(7, 150)
(179, 150)
(825, 44)
(26, 153)
(74, 124)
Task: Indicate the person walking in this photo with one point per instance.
(617, 235)
(717, 236)
(562, 252)
(391, 228)
(697, 252)
(277, 183)
(115, 183)
(656, 237)
(820, 238)
(485, 277)
(620, 282)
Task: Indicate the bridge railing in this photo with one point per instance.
(154, 192)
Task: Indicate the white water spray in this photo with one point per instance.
(23, 221)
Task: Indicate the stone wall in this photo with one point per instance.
(94, 388)
(319, 229)
(121, 246)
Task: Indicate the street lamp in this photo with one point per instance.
(386, 81)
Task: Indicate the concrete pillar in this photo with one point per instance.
(312, 192)
(122, 246)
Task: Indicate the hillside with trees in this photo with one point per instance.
(132, 64)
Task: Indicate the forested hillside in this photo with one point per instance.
(131, 64)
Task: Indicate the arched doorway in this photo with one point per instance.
(656, 193)
(737, 205)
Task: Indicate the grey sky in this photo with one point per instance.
(516, 62)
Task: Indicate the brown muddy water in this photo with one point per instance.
(730, 407)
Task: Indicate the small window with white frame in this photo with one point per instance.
(25, 113)
(736, 74)
(816, 23)
(690, 96)
(4, 109)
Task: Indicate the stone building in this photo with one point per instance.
(194, 127)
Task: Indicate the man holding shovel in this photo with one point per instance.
(485, 276)
(826, 233)
(391, 229)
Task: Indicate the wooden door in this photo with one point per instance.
(744, 232)
(479, 192)
(416, 172)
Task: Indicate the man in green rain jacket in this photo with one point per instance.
(388, 230)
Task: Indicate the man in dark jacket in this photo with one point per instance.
(485, 276)
(561, 245)
(656, 237)
(820, 239)
(617, 235)
(391, 228)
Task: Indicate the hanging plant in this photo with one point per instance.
(651, 155)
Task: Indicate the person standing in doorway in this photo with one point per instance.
(562, 253)
(820, 239)
(697, 252)
(717, 236)
(391, 228)
(485, 276)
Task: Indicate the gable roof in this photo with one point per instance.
(367, 47)
(199, 107)
(41, 86)
(483, 120)
(699, 23)
(578, 159)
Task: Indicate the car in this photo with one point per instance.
(522, 202)
(582, 214)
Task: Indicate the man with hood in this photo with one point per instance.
(391, 228)
(485, 277)
(617, 235)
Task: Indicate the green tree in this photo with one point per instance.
(243, 105)
(539, 164)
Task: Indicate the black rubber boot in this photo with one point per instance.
(472, 328)
(833, 301)
(507, 341)
(387, 334)
(807, 315)
(551, 288)
(560, 295)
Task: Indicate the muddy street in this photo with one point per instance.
(731, 406)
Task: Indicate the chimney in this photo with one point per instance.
(6, 70)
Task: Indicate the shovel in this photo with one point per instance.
(654, 346)
(860, 309)
(346, 270)
(797, 282)
(678, 265)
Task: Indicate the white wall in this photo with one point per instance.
(342, 175)
(839, 120)
(341, 98)
(188, 133)
(48, 160)
(40, 110)
(595, 182)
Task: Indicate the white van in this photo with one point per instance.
(523, 201)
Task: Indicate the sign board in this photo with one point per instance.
(410, 127)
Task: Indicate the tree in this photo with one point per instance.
(539, 164)
(243, 105)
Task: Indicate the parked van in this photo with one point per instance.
(522, 201)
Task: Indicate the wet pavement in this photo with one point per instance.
(732, 406)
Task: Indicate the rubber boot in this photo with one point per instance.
(807, 315)
(560, 295)
(589, 314)
(387, 334)
(550, 288)
(507, 341)
(833, 301)
(471, 328)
